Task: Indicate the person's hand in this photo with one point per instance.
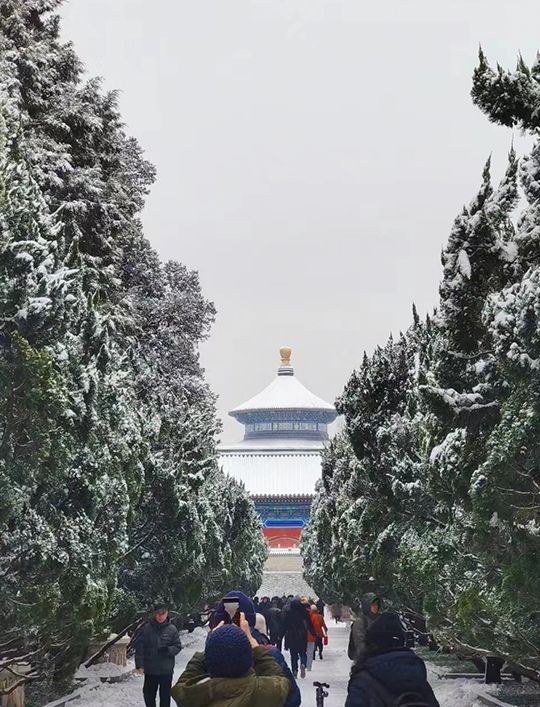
(163, 650)
(244, 625)
(220, 624)
(140, 671)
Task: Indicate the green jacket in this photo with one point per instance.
(267, 688)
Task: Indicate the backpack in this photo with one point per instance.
(379, 696)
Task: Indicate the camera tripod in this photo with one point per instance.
(320, 692)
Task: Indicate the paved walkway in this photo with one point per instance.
(333, 669)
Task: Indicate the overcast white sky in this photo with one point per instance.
(311, 157)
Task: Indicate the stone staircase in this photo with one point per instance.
(277, 583)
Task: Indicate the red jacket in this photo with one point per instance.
(319, 626)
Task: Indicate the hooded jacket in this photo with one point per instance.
(357, 640)
(264, 685)
(399, 671)
(245, 605)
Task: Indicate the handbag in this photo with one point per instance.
(325, 640)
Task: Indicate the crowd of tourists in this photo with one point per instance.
(243, 664)
(298, 624)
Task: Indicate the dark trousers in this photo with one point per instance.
(150, 688)
(295, 656)
(318, 646)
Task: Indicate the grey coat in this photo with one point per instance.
(357, 639)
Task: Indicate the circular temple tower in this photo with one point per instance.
(279, 458)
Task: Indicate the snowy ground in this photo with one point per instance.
(334, 669)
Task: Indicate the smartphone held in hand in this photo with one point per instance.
(232, 608)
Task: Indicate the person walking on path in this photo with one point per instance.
(275, 624)
(371, 606)
(233, 670)
(337, 612)
(321, 630)
(297, 626)
(389, 672)
(155, 650)
(264, 608)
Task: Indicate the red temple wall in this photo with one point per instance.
(283, 538)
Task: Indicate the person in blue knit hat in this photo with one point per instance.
(227, 653)
(233, 670)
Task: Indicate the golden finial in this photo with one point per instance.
(285, 353)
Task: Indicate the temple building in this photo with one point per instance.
(279, 458)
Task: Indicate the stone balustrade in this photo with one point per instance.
(117, 653)
(7, 679)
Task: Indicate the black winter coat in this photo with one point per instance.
(156, 646)
(264, 609)
(398, 671)
(275, 622)
(297, 624)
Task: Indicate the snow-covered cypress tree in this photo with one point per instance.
(191, 544)
(330, 563)
(512, 98)
(439, 502)
(464, 392)
(476, 261)
(36, 304)
(465, 554)
(508, 97)
(133, 419)
(505, 487)
(369, 499)
(33, 298)
(235, 533)
(528, 230)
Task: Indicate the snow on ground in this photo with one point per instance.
(101, 670)
(454, 691)
(461, 693)
(334, 669)
(129, 692)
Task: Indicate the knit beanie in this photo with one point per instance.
(385, 632)
(228, 653)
